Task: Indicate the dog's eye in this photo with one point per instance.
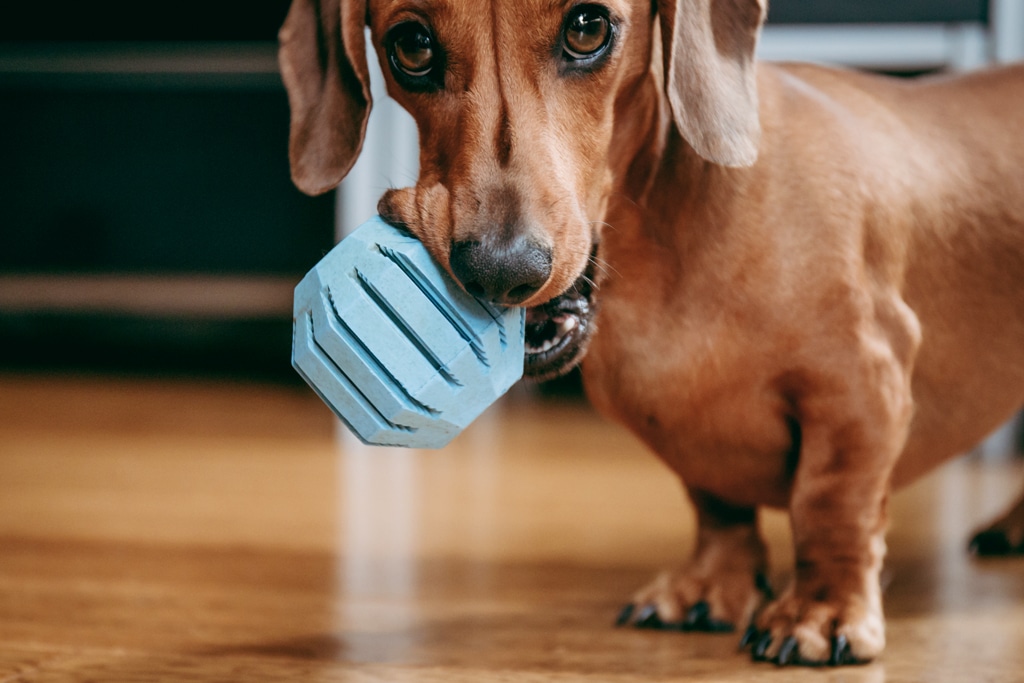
(412, 52)
(587, 33)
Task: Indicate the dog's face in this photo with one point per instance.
(515, 106)
(519, 106)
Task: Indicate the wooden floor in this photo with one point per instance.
(182, 531)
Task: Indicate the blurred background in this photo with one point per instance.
(149, 223)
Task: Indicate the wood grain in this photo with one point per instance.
(190, 531)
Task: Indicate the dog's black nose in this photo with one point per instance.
(505, 273)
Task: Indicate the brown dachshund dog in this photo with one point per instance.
(810, 281)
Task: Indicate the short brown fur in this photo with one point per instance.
(813, 279)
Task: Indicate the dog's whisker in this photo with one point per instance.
(598, 262)
(604, 266)
(625, 198)
(551, 206)
(604, 224)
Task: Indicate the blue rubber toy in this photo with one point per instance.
(402, 354)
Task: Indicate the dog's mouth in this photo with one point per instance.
(557, 332)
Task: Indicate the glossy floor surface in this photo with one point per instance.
(173, 531)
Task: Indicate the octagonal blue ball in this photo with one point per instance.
(400, 352)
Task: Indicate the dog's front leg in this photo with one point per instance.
(854, 410)
(832, 611)
(720, 587)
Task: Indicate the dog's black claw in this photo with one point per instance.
(789, 652)
(716, 626)
(625, 615)
(763, 585)
(990, 543)
(697, 615)
(699, 619)
(761, 647)
(648, 617)
(840, 651)
(748, 637)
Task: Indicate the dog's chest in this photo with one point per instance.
(690, 388)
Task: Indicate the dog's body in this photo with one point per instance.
(882, 229)
(804, 331)
(774, 333)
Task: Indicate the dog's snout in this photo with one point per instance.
(506, 274)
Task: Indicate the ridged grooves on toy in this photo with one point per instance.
(368, 407)
(496, 315)
(362, 350)
(443, 305)
(407, 331)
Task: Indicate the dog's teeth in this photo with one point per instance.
(563, 329)
(530, 348)
(566, 325)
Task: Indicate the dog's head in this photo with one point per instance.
(523, 109)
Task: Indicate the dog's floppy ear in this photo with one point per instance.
(710, 75)
(323, 64)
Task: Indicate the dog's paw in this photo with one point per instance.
(794, 630)
(685, 601)
(1002, 539)
(995, 543)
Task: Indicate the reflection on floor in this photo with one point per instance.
(210, 532)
